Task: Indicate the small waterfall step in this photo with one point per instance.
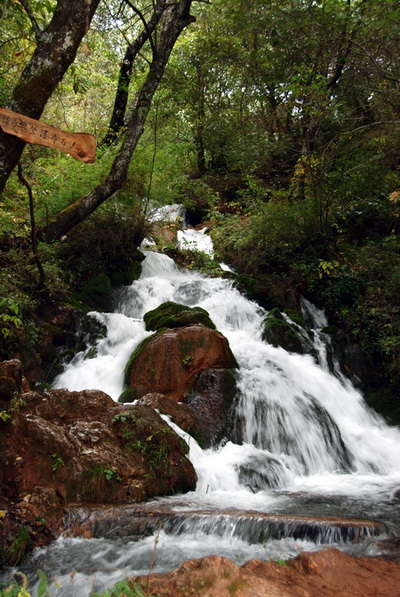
(250, 526)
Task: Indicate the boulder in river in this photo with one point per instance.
(62, 447)
(174, 315)
(193, 365)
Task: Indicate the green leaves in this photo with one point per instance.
(10, 319)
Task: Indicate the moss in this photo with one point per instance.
(95, 294)
(174, 315)
(295, 316)
(279, 332)
(127, 395)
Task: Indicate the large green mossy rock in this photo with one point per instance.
(173, 315)
(280, 332)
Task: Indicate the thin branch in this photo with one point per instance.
(145, 24)
(32, 18)
(374, 62)
(34, 240)
(356, 130)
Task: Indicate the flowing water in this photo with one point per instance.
(310, 447)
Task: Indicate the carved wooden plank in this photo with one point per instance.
(80, 146)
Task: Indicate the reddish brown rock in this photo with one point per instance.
(86, 447)
(168, 361)
(326, 573)
(65, 447)
(180, 413)
(12, 380)
(193, 365)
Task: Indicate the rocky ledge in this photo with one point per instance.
(62, 447)
(326, 573)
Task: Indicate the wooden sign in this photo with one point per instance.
(80, 146)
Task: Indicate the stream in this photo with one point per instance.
(311, 448)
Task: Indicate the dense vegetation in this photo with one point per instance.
(276, 122)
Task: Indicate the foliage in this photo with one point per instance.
(192, 259)
(105, 245)
(109, 474)
(10, 319)
(57, 461)
(123, 417)
(4, 416)
(22, 542)
(125, 588)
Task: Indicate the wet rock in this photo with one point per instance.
(180, 413)
(168, 362)
(211, 399)
(173, 315)
(351, 358)
(247, 525)
(325, 573)
(193, 365)
(82, 446)
(280, 332)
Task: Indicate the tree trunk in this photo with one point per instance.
(175, 18)
(54, 53)
(117, 120)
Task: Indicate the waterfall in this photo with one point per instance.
(294, 413)
(310, 445)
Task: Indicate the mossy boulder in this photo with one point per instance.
(174, 315)
(280, 332)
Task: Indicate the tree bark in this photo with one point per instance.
(55, 52)
(174, 19)
(117, 120)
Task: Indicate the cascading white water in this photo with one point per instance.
(294, 412)
(308, 437)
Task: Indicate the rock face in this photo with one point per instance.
(279, 332)
(174, 362)
(88, 448)
(65, 447)
(180, 413)
(326, 573)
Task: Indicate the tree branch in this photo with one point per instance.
(146, 26)
(374, 62)
(34, 240)
(175, 19)
(32, 18)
